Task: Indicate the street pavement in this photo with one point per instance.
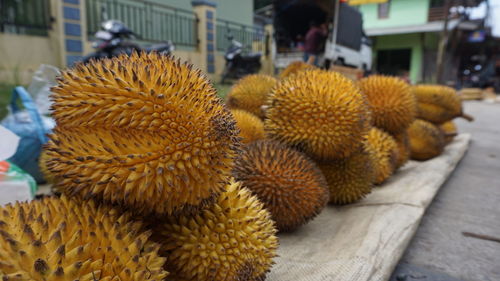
(468, 202)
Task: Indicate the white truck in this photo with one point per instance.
(346, 44)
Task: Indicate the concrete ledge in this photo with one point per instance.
(365, 241)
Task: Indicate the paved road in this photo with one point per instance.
(468, 202)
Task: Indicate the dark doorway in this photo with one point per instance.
(393, 62)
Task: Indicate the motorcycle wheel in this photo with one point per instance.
(225, 73)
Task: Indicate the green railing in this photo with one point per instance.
(30, 17)
(153, 22)
(253, 38)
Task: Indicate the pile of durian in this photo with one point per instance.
(357, 133)
(156, 178)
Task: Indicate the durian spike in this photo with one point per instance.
(233, 239)
(145, 131)
(65, 239)
(321, 113)
(289, 184)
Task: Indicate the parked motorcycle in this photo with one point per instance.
(237, 63)
(115, 38)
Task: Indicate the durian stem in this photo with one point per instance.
(451, 134)
(467, 117)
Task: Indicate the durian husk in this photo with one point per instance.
(349, 179)
(233, 239)
(146, 132)
(251, 127)
(250, 93)
(426, 140)
(391, 101)
(403, 142)
(294, 68)
(321, 113)
(438, 104)
(42, 164)
(384, 149)
(64, 239)
(449, 130)
(289, 184)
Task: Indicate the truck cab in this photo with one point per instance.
(345, 45)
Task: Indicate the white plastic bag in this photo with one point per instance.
(43, 79)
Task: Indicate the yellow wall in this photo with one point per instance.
(23, 54)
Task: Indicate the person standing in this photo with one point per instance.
(313, 42)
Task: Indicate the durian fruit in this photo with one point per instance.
(142, 170)
(438, 104)
(144, 131)
(289, 184)
(403, 143)
(449, 130)
(349, 179)
(391, 100)
(63, 239)
(384, 149)
(426, 140)
(322, 113)
(294, 68)
(250, 93)
(251, 127)
(233, 239)
(42, 164)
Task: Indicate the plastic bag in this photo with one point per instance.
(31, 127)
(15, 184)
(41, 82)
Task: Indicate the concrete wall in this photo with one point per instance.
(401, 13)
(404, 41)
(22, 55)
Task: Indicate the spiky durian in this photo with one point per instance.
(251, 127)
(403, 143)
(391, 101)
(384, 149)
(289, 184)
(449, 130)
(349, 179)
(438, 104)
(294, 68)
(250, 93)
(144, 131)
(320, 112)
(62, 239)
(233, 239)
(426, 140)
(42, 164)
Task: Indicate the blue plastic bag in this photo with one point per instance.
(31, 127)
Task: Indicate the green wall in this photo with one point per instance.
(401, 13)
(404, 41)
(240, 11)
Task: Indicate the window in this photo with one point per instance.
(383, 10)
(437, 3)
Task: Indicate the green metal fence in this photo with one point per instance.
(253, 38)
(151, 21)
(30, 17)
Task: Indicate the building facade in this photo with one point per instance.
(60, 32)
(406, 35)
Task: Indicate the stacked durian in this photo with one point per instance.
(393, 107)
(143, 154)
(324, 115)
(285, 180)
(437, 106)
